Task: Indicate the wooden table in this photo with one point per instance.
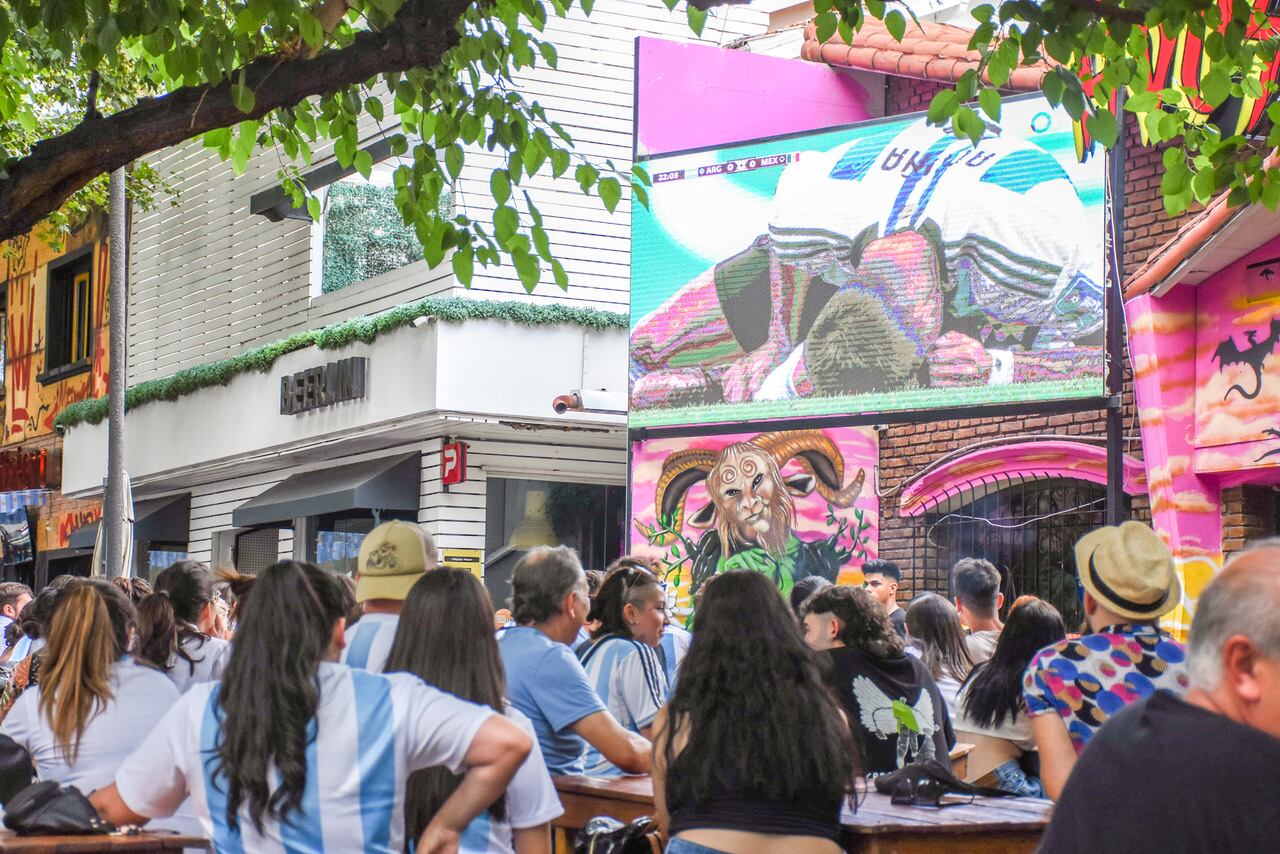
(11, 842)
(987, 826)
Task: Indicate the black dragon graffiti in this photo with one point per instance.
(1228, 353)
(1274, 434)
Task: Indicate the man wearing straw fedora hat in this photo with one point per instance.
(1073, 687)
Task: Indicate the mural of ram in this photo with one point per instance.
(788, 504)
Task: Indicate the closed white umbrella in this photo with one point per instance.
(100, 544)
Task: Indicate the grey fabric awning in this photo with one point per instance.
(391, 483)
(156, 520)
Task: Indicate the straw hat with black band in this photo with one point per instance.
(1128, 570)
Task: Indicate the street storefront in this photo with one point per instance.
(432, 421)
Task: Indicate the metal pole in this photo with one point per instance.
(113, 511)
(1115, 328)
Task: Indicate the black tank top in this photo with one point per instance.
(816, 815)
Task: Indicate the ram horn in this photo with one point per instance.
(819, 456)
(680, 471)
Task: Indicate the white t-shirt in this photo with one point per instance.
(673, 647)
(209, 657)
(372, 731)
(1017, 730)
(369, 642)
(141, 697)
(629, 679)
(531, 801)
(982, 645)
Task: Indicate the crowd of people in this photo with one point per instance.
(296, 711)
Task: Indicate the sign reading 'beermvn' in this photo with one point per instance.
(322, 386)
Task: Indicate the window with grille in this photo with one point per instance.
(70, 318)
(256, 550)
(1026, 527)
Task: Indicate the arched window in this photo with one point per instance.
(1026, 526)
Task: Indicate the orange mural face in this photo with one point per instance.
(30, 405)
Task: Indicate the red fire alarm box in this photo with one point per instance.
(453, 463)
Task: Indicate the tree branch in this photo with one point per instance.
(40, 182)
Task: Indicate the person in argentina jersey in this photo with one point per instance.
(176, 626)
(393, 556)
(446, 638)
(545, 680)
(621, 658)
(294, 752)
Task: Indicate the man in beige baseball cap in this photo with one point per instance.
(1074, 686)
(393, 556)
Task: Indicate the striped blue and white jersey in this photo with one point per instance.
(369, 642)
(1015, 233)
(371, 732)
(629, 679)
(673, 647)
(531, 801)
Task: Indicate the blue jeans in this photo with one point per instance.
(684, 846)
(1011, 778)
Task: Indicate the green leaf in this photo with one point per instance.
(905, 716)
(549, 55)
(559, 162)
(943, 106)
(697, 18)
(505, 222)
(610, 193)
(242, 96)
(896, 24)
(108, 35)
(313, 208)
(312, 30)
(561, 277)
(1215, 86)
(364, 163)
(1102, 127)
(586, 175)
(500, 186)
(1142, 102)
(527, 268)
(989, 100)
(464, 264)
(826, 26)
(541, 242)
(642, 174)
(453, 160)
(374, 107)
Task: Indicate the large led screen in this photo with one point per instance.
(882, 267)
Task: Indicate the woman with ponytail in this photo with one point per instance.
(445, 637)
(93, 704)
(295, 751)
(621, 658)
(177, 625)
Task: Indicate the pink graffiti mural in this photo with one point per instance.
(1237, 354)
(996, 465)
(825, 477)
(1185, 507)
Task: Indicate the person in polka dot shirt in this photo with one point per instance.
(1075, 686)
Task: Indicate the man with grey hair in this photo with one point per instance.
(544, 678)
(1197, 773)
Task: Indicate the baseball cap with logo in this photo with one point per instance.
(1129, 570)
(393, 556)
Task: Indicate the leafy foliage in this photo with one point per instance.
(434, 115)
(364, 329)
(1100, 62)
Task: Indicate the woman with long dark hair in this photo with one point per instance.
(93, 703)
(445, 637)
(621, 659)
(992, 711)
(933, 625)
(752, 753)
(293, 750)
(177, 623)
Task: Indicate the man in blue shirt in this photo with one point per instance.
(544, 678)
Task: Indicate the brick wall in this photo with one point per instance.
(907, 449)
(1248, 514)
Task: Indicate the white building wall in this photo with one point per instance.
(209, 280)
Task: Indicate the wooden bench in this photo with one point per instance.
(987, 825)
(11, 843)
